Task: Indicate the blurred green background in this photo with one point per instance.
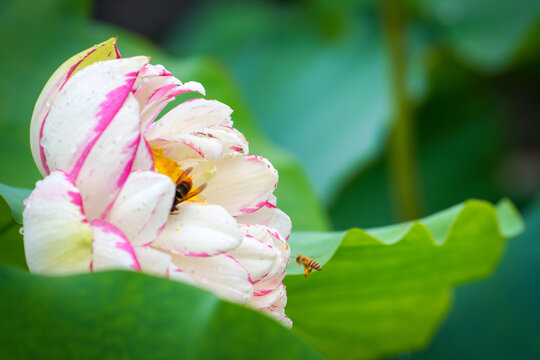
(337, 84)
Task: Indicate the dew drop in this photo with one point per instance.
(21, 231)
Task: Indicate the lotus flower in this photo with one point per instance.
(178, 197)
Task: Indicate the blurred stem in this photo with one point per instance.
(401, 157)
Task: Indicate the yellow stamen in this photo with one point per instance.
(172, 169)
(166, 166)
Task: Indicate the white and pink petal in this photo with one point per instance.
(110, 161)
(231, 139)
(104, 51)
(242, 184)
(199, 230)
(151, 79)
(144, 160)
(269, 216)
(266, 298)
(161, 97)
(57, 236)
(153, 261)
(191, 116)
(175, 151)
(84, 109)
(220, 274)
(111, 249)
(278, 314)
(97, 146)
(257, 256)
(272, 302)
(269, 237)
(205, 147)
(179, 275)
(143, 206)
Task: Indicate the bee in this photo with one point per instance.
(309, 264)
(184, 189)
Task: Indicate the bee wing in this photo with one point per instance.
(183, 175)
(195, 192)
(315, 257)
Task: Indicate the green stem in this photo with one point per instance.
(401, 156)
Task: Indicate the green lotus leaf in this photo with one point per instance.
(14, 197)
(386, 290)
(131, 316)
(11, 240)
(504, 307)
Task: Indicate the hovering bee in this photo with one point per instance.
(184, 189)
(309, 264)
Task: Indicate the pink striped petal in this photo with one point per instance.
(156, 87)
(197, 146)
(161, 98)
(105, 51)
(111, 249)
(179, 275)
(149, 72)
(151, 79)
(153, 261)
(272, 303)
(57, 237)
(175, 151)
(242, 184)
(190, 86)
(276, 297)
(231, 139)
(256, 254)
(142, 206)
(272, 239)
(107, 166)
(92, 131)
(269, 216)
(220, 274)
(84, 109)
(199, 230)
(279, 316)
(144, 160)
(191, 116)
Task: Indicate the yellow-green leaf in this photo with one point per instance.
(386, 290)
